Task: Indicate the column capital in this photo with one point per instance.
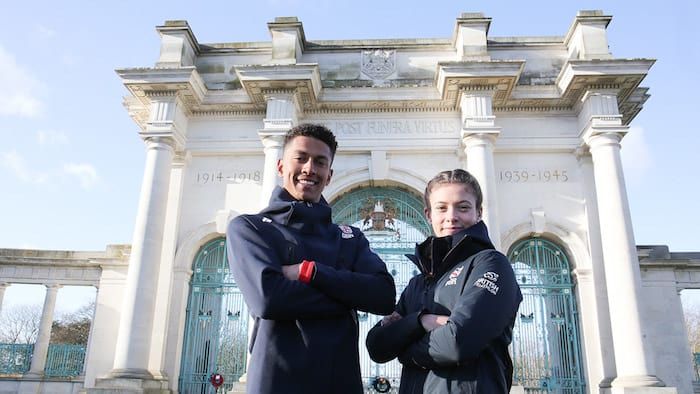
(272, 139)
(166, 119)
(282, 109)
(160, 142)
(486, 137)
(476, 104)
(595, 137)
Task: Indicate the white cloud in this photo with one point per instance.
(636, 156)
(51, 137)
(19, 168)
(86, 173)
(21, 91)
(45, 32)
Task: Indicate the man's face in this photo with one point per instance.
(305, 168)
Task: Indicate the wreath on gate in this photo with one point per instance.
(216, 379)
(381, 384)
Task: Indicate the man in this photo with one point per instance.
(303, 278)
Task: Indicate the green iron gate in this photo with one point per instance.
(545, 339)
(545, 347)
(393, 221)
(216, 327)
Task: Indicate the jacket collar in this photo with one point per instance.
(307, 217)
(436, 255)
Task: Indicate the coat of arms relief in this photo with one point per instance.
(378, 64)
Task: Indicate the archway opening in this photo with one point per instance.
(546, 355)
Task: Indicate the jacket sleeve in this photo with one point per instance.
(487, 306)
(367, 287)
(384, 343)
(256, 267)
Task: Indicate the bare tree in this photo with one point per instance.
(73, 328)
(20, 324)
(692, 324)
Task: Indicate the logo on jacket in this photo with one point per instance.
(453, 276)
(266, 220)
(346, 232)
(488, 282)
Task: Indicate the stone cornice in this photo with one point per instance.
(621, 76)
(59, 266)
(147, 84)
(303, 80)
(498, 76)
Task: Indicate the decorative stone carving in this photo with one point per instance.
(378, 63)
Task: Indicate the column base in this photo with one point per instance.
(116, 385)
(644, 390)
(238, 388)
(34, 375)
(644, 384)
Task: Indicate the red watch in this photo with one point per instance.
(306, 271)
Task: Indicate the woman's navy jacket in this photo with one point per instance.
(465, 278)
(305, 336)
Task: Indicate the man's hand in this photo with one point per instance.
(386, 320)
(431, 322)
(291, 272)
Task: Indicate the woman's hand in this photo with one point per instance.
(386, 320)
(431, 322)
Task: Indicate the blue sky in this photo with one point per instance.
(71, 160)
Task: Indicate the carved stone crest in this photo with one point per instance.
(378, 63)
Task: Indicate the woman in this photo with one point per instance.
(453, 323)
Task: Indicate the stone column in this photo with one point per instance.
(602, 134)
(272, 146)
(163, 305)
(3, 286)
(136, 325)
(479, 135)
(594, 304)
(41, 348)
(281, 115)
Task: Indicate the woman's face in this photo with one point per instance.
(452, 208)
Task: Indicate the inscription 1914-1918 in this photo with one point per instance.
(211, 177)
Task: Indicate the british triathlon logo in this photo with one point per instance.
(488, 282)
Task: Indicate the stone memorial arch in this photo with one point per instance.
(538, 120)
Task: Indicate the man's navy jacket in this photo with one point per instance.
(305, 335)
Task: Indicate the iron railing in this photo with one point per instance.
(15, 358)
(62, 361)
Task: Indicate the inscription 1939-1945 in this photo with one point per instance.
(528, 175)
